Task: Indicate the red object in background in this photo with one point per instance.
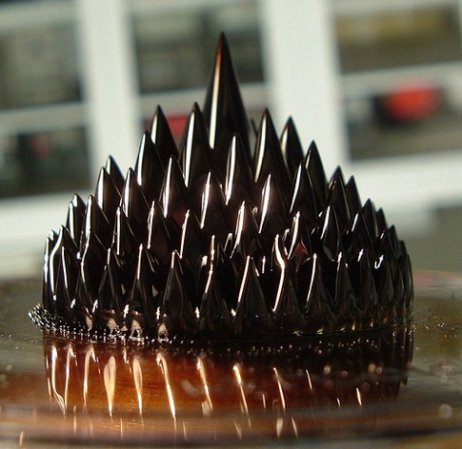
(411, 103)
(177, 125)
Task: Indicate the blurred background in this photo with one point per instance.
(378, 85)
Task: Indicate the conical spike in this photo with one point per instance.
(268, 275)
(394, 240)
(239, 185)
(75, 218)
(359, 238)
(215, 253)
(252, 316)
(353, 198)
(214, 219)
(111, 292)
(158, 235)
(176, 313)
(144, 297)
(384, 284)
(149, 169)
(95, 223)
(291, 147)
(124, 241)
(214, 316)
(345, 308)
(316, 308)
(91, 270)
(268, 157)
(273, 218)
(338, 200)
(106, 310)
(193, 244)
(381, 221)
(66, 285)
(288, 318)
(135, 206)
(47, 288)
(174, 195)
(63, 240)
(107, 195)
(245, 234)
(398, 284)
(369, 215)
(162, 137)
(224, 110)
(225, 274)
(316, 173)
(330, 234)
(114, 172)
(303, 199)
(364, 286)
(195, 152)
(298, 242)
(406, 271)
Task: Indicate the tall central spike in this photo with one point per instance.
(224, 110)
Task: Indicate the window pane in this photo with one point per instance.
(174, 49)
(43, 162)
(403, 38)
(39, 66)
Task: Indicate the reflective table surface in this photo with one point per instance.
(348, 392)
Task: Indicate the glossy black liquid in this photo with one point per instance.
(208, 243)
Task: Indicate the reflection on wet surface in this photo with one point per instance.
(79, 391)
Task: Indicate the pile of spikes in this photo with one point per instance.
(217, 241)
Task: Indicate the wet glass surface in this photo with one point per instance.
(53, 391)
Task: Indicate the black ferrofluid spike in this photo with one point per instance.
(238, 184)
(176, 312)
(214, 215)
(353, 198)
(245, 239)
(114, 172)
(135, 205)
(75, 217)
(174, 195)
(66, 284)
(338, 200)
(95, 222)
(303, 199)
(47, 286)
(291, 147)
(268, 158)
(212, 244)
(158, 241)
(149, 169)
(214, 315)
(124, 242)
(298, 242)
(273, 218)
(162, 137)
(143, 300)
(89, 280)
(224, 110)
(316, 305)
(288, 318)
(316, 173)
(252, 317)
(195, 153)
(107, 195)
(111, 298)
